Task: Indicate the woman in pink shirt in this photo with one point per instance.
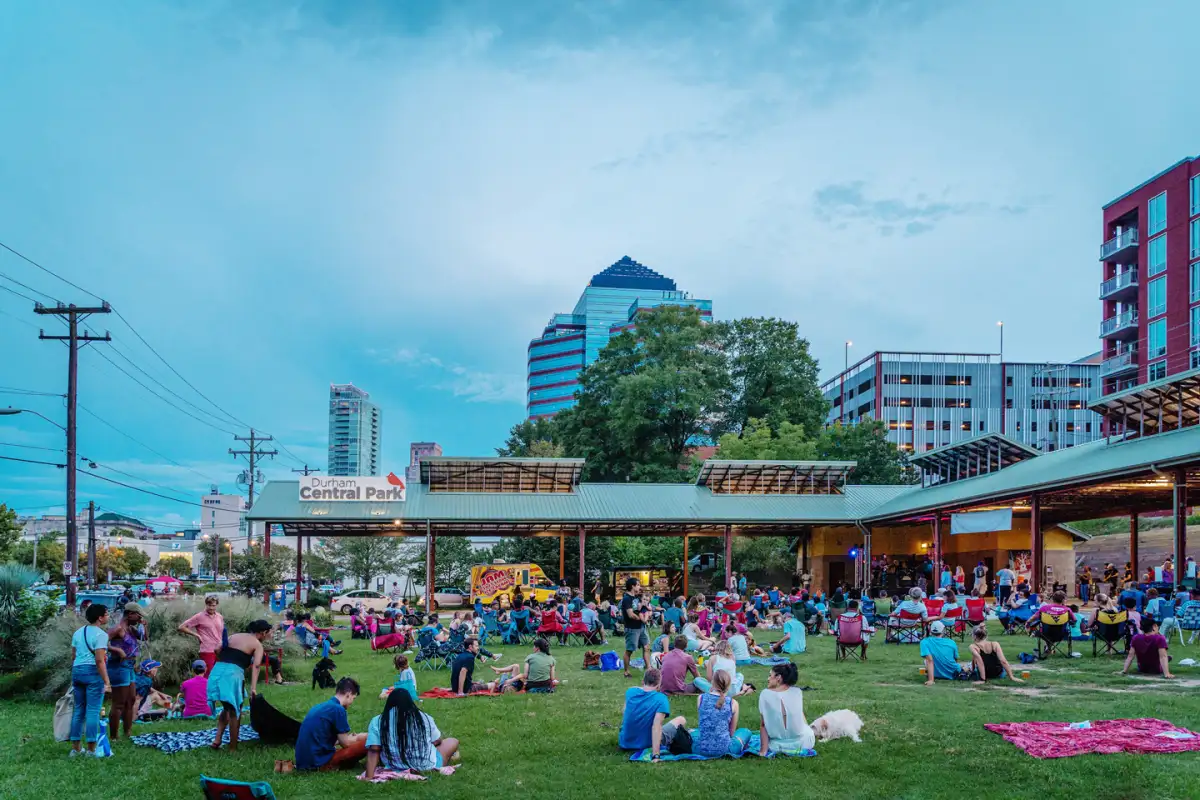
(208, 627)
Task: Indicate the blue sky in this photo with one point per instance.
(282, 195)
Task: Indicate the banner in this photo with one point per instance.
(981, 521)
(332, 489)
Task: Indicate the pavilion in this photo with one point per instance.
(978, 500)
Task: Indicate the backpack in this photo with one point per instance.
(681, 744)
(63, 710)
(591, 660)
(609, 661)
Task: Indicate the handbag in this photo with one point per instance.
(681, 743)
(63, 711)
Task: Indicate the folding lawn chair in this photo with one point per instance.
(956, 620)
(430, 653)
(907, 628)
(388, 643)
(1053, 633)
(1109, 633)
(934, 608)
(976, 611)
(217, 789)
(1188, 620)
(849, 638)
(521, 620)
(577, 632)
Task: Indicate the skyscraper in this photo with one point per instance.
(1150, 294)
(573, 340)
(355, 430)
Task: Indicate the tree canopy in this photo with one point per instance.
(10, 531)
(533, 438)
(365, 557)
(773, 377)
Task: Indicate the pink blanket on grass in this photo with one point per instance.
(1059, 739)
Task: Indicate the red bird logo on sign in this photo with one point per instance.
(395, 481)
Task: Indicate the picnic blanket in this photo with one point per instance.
(182, 741)
(385, 775)
(769, 661)
(1061, 739)
(752, 745)
(442, 693)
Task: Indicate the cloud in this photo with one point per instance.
(839, 202)
(473, 385)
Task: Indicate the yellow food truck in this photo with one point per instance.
(498, 581)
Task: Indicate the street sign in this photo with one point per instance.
(68, 568)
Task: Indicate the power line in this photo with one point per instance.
(143, 491)
(29, 260)
(14, 316)
(131, 475)
(18, 294)
(15, 390)
(32, 447)
(30, 288)
(28, 461)
(168, 459)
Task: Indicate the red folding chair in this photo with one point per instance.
(388, 643)
(934, 608)
(849, 638)
(906, 628)
(576, 629)
(976, 613)
(956, 619)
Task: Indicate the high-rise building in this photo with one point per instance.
(1150, 294)
(417, 451)
(931, 400)
(571, 341)
(355, 430)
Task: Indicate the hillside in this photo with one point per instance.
(1153, 547)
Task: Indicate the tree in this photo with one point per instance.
(762, 553)
(666, 551)
(650, 396)
(174, 566)
(50, 556)
(136, 563)
(10, 531)
(364, 557)
(533, 438)
(452, 564)
(758, 442)
(256, 573)
(107, 559)
(879, 461)
(773, 376)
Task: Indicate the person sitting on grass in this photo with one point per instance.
(718, 733)
(151, 702)
(677, 664)
(643, 717)
(722, 660)
(987, 657)
(665, 640)
(462, 670)
(740, 646)
(192, 701)
(326, 727)
(1131, 612)
(794, 636)
(406, 679)
(940, 654)
(781, 706)
(1150, 649)
(539, 676)
(1080, 622)
(404, 737)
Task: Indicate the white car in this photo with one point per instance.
(368, 597)
(446, 597)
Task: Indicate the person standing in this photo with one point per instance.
(1110, 577)
(122, 661)
(1085, 585)
(633, 616)
(741, 584)
(89, 678)
(208, 627)
(1005, 578)
(396, 595)
(227, 679)
(981, 572)
(326, 726)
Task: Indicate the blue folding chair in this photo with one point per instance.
(217, 789)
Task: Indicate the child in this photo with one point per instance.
(150, 700)
(406, 679)
(435, 627)
(193, 694)
(1078, 624)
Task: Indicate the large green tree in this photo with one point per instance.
(533, 438)
(758, 442)
(50, 556)
(454, 557)
(256, 573)
(653, 393)
(879, 461)
(10, 531)
(773, 375)
(365, 557)
(175, 566)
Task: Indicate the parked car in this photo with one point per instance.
(345, 603)
(329, 588)
(447, 597)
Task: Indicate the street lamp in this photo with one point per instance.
(849, 344)
(1000, 325)
(10, 411)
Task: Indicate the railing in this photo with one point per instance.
(1126, 238)
(1119, 362)
(1113, 324)
(1118, 282)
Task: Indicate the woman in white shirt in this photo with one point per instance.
(723, 661)
(89, 677)
(404, 737)
(781, 705)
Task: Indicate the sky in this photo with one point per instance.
(278, 196)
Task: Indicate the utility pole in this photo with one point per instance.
(74, 314)
(253, 453)
(307, 470)
(92, 544)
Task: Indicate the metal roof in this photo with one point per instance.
(982, 454)
(521, 475)
(774, 477)
(1163, 405)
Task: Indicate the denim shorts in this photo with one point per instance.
(636, 639)
(120, 675)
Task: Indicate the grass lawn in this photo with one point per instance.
(918, 741)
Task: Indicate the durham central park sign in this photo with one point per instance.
(376, 490)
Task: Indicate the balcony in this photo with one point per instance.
(1121, 247)
(1119, 285)
(1122, 326)
(1119, 364)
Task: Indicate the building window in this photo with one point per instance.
(1195, 359)
(1008, 402)
(966, 426)
(1008, 381)
(964, 403)
(1157, 338)
(928, 424)
(1156, 256)
(924, 402)
(1156, 371)
(1194, 239)
(1195, 195)
(1087, 427)
(946, 425)
(1195, 325)
(1194, 280)
(1156, 218)
(1156, 296)
(981, 425)
(1033, 427)
(958, 380)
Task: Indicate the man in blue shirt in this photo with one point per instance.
(325, 727)
(642, 718)
(741, 584)
(940, 654)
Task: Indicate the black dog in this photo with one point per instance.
(323, 674)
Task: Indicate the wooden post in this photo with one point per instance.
(1180, 501)
(430, 562)
(562, 558)
(686, 566)
(1037, 564)
(937, 551)
(299, 565)
(728, 556)
(582, 552)
(1133, 544)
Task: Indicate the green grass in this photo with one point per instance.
(918, 742)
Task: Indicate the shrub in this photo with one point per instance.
(322, 618)
(318, 599)
(22, 613)
(164, 642)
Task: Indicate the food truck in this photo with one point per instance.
(498, 581)
(656, 581)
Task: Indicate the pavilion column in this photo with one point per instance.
(865, 555)
(562, 558)
(937, 549)
(728, 556)
(582, 552)
(804, 556)
(266, 538)
(1037, 563)
(430, 562)
(1133, 544)
(1180, 504)
(299, 565)
(686, 566)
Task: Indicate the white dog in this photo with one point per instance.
(837, 724)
